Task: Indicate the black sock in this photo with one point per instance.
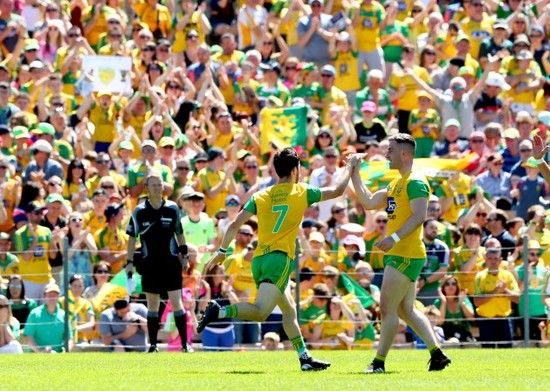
(153, 328)
(181, 324)
(437, 353)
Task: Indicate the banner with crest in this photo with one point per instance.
(110, 73)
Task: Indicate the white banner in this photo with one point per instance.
(111, 73)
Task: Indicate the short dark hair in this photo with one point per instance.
(500, 216)
(428, 221)
(285, 161)
(120, 304)
(404, 139)
(306, 274)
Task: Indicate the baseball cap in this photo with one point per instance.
(104, 93)
(462, 37)
(271, 66)
(524, 55)
(167, 141)
(20, 132)
(501, 24)
(214, 152)
(36, 64)
(148, 143)
(522, 38)
(318, 1)
(241, 153)
(466, 70)
(369, 107)
(200, 157)
(352, 240)
(42, 146)
(52, 288)
(531, 163)
(308, 223)
(452, 122)
(45, 128)
(54, 197)
(196, 195)
(317, 236)
(32, 44)
(512, 133)
(126, 145)
(478, 134)
(343, 37)
(424, 94)
(544, 117)
(112, 210)
(308, 66)
(181, 141)
(232, 197)
(329, 69)
(34, 206)
(497, 80)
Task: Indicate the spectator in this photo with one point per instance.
(45, 328)
(42, 167)
(94, 219)
(316, 307)
(495, 290)
(334, 329)
(495, 180)
(468, 258)
(435, 268)
(496, 226)
(174, 339)
(489, 107)
(530, 189)
(371, 128)
(375, 92)
(123, 328)
(424, 125)
(327, 176)
(313, 30)
(101, 274)
(81, 312)
(9, 329)
(368, 19)
(9, 263)
(198, 227)
(21, 306)
(451, 146)
(112, 240)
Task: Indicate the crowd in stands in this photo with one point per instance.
(469, 80)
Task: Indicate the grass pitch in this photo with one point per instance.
(471, 369)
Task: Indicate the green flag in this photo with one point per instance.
(283, 126)
(353, 286)
(120, 280)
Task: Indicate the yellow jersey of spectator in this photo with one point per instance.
(207, 179)
(104, 121)
(331, 328)
(36, 270)
(409, 100)
(347, 69)
(100, 25)
(93, 222)
(510, 67)
(115, 241)
(477, 31)
(317, 265)
(497, 306)
(240, 272)
(367, 30)
(334, 96)
(180, 36)
(462, 255)
(156, 18)
(10, 198)
(457, 189)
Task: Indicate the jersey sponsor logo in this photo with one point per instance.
(391, 206)
(39, 251)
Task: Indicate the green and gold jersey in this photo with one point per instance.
(401, 191)
(280, 209)
(37, 269)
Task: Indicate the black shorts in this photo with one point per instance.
(160, 277)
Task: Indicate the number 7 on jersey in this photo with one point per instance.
(282, 210)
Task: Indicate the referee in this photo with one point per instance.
(157, 223)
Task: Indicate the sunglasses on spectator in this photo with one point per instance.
(146, 37)
(113, 22)
(108, 187)
(182, 168)
(430, 53)
(232, 203)
(491, 219)
(451, 283)
(166, 50)
(415, 10)
(433, 209)
(331, 156)
(526, 150)
(173, 87)
(103, 161)
(58, 104)
(54, 184)
(149, 49)
(246, 234)
(380, 221)
(252, 167)
(102, 271)
(196, 127)
(16, 286)
(327, 75)
(477, 140)
(115, 36)
(291, 67)
(481, 214)
(74, 35)
(473, 232)
(79, 167)
(534, 253)
(51, 9)
(4, 306)
(148, 150)
(518, 21)
(338, 210)
(168, 147)
(76, 220)
(193, 37)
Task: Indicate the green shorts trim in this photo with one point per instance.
(411, 267)
(274, 267)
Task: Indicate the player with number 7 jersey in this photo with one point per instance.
(280, 209)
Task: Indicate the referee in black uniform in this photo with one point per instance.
(157, 223)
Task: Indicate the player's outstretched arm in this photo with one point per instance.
(219, 255)
(328, 193)
(539, 152)
(369, 201)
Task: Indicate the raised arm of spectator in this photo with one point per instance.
(422, 84)
(85, 106)
(540, 150)
(13, 58)
(305, 35)
(332, 47)
(420, 17)
(89, 25)
(203, 19)
(493, 63)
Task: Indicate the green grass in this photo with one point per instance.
(472, 369)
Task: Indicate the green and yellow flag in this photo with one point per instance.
(352, 286)
(284, 127)
(377, 174)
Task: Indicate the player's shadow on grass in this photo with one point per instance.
(245, 372)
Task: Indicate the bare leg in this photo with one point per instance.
(394, 289)
(267, 298)
(416, 319)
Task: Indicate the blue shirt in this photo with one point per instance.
(530, 191)
(51, 168)
(509, 160)
(316, 49)
(196, 70)
(496, 187)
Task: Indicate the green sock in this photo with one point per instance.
(298, 344)
(231, 311)
(379, 359)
